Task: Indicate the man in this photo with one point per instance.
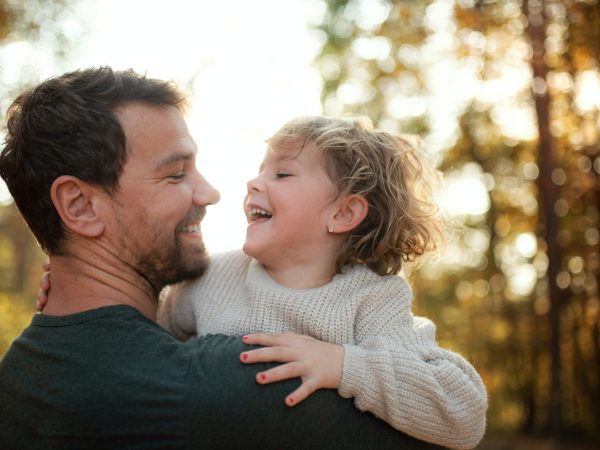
(102, 168)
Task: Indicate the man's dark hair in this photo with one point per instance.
(67, 126)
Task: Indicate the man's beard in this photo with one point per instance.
(173, 266)
(169, 262)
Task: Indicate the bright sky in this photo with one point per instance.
(250, 66)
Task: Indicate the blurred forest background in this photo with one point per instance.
(506, 96)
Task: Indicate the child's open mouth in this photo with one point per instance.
(259, 213)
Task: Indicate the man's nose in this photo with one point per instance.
(205, 193)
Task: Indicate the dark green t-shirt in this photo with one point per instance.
(110, 378)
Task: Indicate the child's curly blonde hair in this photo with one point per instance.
(402, 222)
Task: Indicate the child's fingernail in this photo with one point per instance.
(263, 376)
(244, 356)
(245, 338)
(290, 400)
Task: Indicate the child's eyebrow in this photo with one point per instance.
(288, 154)
(289, 157)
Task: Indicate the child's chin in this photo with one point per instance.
(247, 248)
(253, 248)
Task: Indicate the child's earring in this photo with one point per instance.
(330, 228)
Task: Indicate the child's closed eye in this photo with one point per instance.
(283, 175)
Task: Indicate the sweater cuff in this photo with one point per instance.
(355, 373)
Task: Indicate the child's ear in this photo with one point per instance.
(351, 211)
(75, 202)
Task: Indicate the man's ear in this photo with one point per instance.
(351, 211)
(75, 202)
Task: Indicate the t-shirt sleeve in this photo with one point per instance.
(226, 408)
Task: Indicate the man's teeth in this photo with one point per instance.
(193, 228)
(259, 212)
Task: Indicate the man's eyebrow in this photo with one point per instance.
(173, 158)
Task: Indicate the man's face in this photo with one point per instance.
(162, 197)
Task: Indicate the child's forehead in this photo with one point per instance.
(290, 149)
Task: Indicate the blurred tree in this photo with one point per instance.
(35, 37)
(506, 95)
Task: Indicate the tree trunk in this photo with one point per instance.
(548, 192)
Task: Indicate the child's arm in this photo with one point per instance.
(176, 312)
(318, 364)
(396, 371)
(399, 373)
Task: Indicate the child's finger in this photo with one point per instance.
(259, 339)
(41, 302)
(42, 296)
(279, 373)
(268, 354)
(300, 394)
(45, 282)
(269, 340)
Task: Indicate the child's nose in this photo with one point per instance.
(254, 184)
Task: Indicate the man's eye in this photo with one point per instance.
(178, 176)
(283, 175)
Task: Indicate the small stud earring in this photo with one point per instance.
(331, 228)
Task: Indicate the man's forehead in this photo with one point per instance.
(143, 118)
(155, 136)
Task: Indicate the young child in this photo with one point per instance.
(336, 209)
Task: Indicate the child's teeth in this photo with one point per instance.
(259, 211)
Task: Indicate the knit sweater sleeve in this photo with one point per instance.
(397, 371)
(176, 312)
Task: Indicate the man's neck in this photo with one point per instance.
(92, 280)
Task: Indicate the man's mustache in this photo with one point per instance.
(196, 214)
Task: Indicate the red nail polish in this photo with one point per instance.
(245, 338)
(263, 376)
(244, 356)
(291, 400)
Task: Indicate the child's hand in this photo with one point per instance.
(319, 364)
(44, 288)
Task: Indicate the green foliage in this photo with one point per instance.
(38, 35)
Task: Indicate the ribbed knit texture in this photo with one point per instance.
(392, 364)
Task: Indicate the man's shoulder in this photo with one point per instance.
(110, 375)
(106, 339)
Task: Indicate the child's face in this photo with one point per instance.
(289, 206)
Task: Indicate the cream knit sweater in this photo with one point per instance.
(392, 364)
